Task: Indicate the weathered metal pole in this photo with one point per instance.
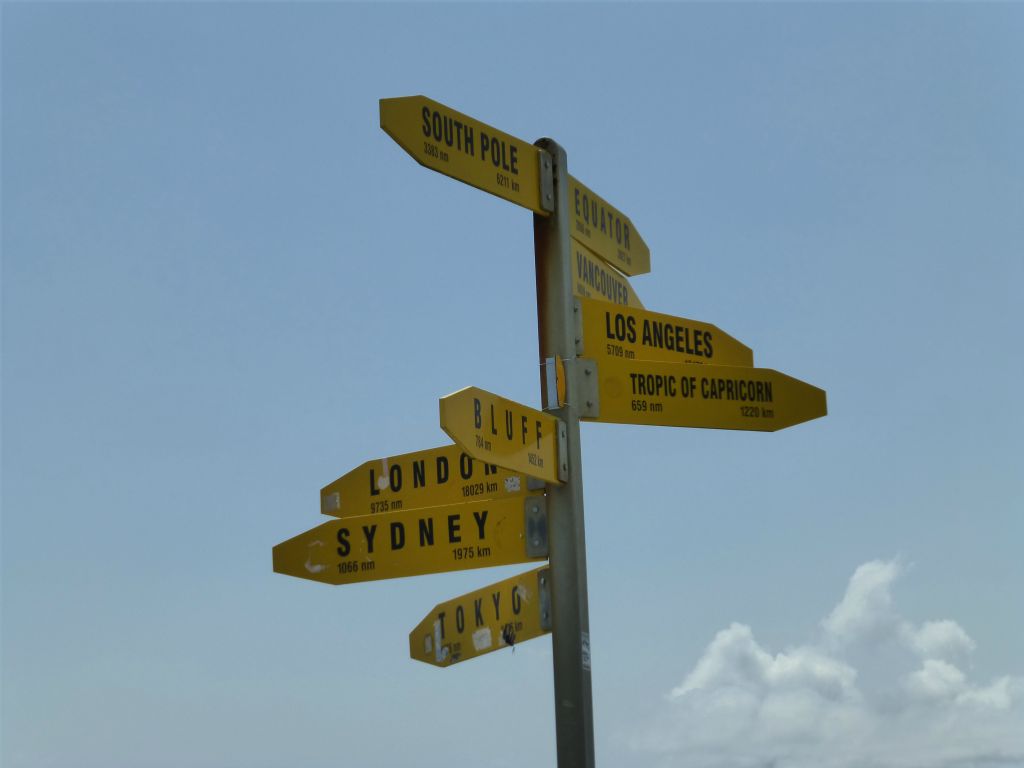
(574, 715)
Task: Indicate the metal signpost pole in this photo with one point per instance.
(574, 715)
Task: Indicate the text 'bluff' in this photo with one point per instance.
(509, 431)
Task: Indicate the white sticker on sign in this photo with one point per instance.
(482, 639)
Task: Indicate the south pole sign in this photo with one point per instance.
(510, 488)
(466, 149)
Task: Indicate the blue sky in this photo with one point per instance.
(224, 286)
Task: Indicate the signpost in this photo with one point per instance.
(597, 279)
(431, 478)
(489, 619)
(607, 231)
(390, 545)
(570, 625)
(503, 432)
(466, 149)
(709, 396)
(603, 357)
(636, 334)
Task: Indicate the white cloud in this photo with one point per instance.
(875, 691)
(938, 640)
(936, 680)
(865, 613)
(735, 659)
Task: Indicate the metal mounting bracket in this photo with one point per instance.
(577, 325)
(563, 452)
(536, 511)
(544, 598)
(586, 391)
(547, 182)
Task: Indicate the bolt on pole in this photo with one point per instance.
(574, 712)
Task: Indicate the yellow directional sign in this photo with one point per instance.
(712, 396)
(503, 432)
(466, 149)
(636, 334)
(607, 231)
(597, 279)
(394, 544)
(499, 616)
(430, 478)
